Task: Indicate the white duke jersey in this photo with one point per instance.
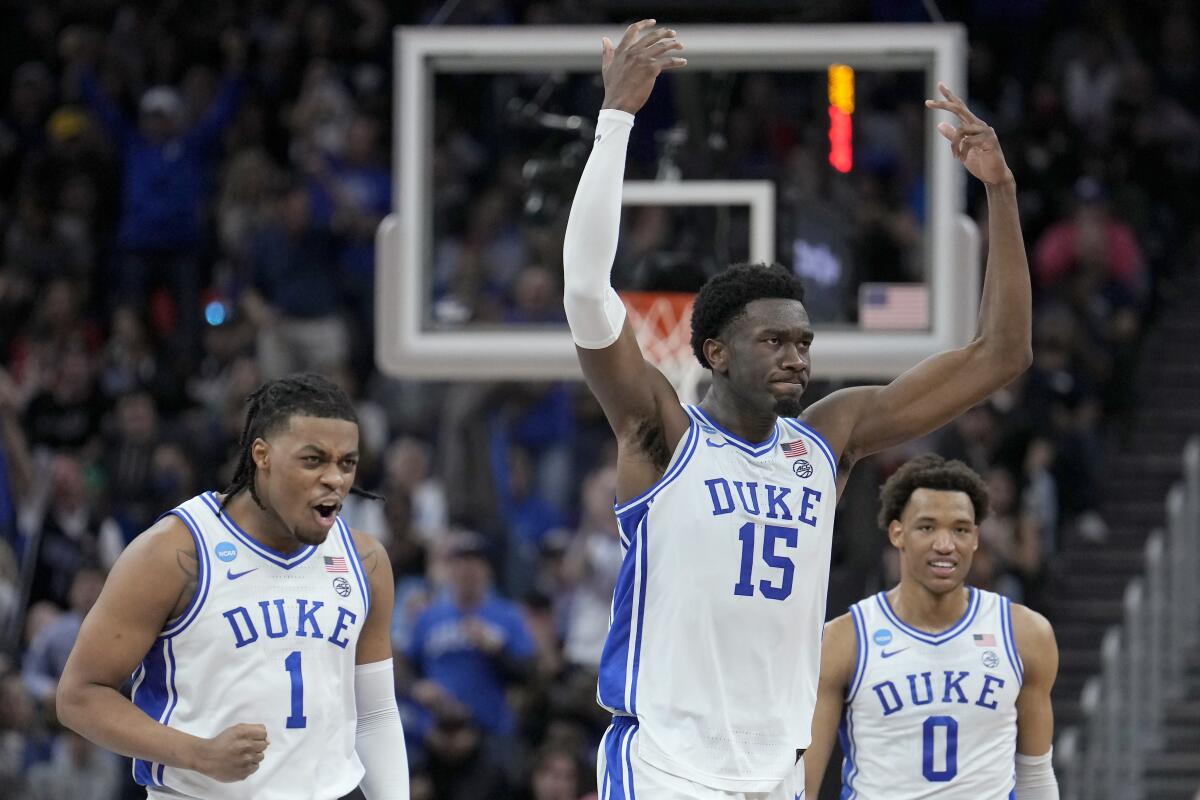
(714, 643)
(932, 715)
(268, 639)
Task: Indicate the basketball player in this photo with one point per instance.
(942, 689)
(726, 508)
(255, 624)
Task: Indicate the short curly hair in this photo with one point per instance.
(724, 298)
(930, 471)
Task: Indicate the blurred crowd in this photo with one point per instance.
(187, 207)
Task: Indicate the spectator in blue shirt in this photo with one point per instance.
(47, 654)
(164, 189)
(470, 642)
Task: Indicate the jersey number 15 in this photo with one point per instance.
(772, 534)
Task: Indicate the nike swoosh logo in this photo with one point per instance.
(886, 654)
(715, 442)
(233, 576)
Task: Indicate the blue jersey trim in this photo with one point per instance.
(862, 651)
(204, 578)
(618, 765)
(614, 685)
(629, 782)
(356, 564)
(285, 560)
(823, 445)
(1010, 640)
(954, 630)
(641, 618)
(849, 766)
(151, 696)
(749, 448)
(174, 694)
(673, 471)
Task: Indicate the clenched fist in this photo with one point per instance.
(233, 754)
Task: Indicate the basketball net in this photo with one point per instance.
(663, 324)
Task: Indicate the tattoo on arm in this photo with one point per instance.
(190, 566)
(370, 560)
(188, 563)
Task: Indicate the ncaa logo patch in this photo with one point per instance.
(802, 468)
(990, 659)
(882, 637)
(342, 587)
(225, 551)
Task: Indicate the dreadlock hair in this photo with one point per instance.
(930, 471)
(272, 405)
(724, 298)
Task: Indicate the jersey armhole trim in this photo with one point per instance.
(816, 437)
(683, 455)
(360, 573)
(1010, 640)
(861, 651)
(203, 578)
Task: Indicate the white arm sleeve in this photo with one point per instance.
(594, 309)
(1035, 777)
(380, 738)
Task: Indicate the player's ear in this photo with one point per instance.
(260, 452)
(717, 355)
(896, 533)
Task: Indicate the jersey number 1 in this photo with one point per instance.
(771, 536)
(292, 665)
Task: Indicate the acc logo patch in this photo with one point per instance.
(990, 659)
(882, 637)
(225, 551)
(342, 587)
(802, 468)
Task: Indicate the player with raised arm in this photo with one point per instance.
(256, 626)
(935, 688)
(726, 508)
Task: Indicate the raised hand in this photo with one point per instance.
(631, 67)
(973, 142)
(233, 754)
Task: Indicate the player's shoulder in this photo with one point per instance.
(157, 564)
(839, 642)
(1031, 627)
(166, 538)
(365, 543)
(374, 559)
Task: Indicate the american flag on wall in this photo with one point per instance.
(336, 564)
(893, 306)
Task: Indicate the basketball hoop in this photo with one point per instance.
(663, 324)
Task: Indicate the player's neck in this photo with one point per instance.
(723, 407)
(260, 524)
(925, 610)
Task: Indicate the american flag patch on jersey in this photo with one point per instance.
(985, 640)
(336, 564)
(794, 449)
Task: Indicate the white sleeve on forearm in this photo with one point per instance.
(379, 741)
(1035, 777)
(594, 309)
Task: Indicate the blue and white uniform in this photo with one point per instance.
(268, 639)
(932, 715)
(713, 653)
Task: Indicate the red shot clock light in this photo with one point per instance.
(841, 107)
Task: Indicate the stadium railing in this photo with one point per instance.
(1142, 660)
